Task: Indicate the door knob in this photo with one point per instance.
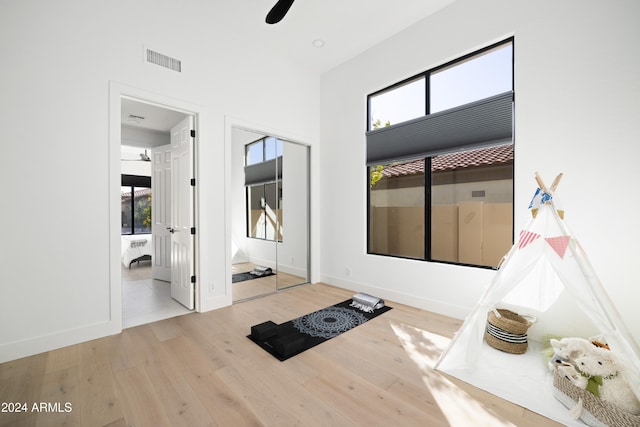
(171, 230)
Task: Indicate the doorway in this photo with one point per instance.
(155, 228)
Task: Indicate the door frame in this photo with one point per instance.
(116, 92)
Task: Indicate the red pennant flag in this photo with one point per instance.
(527, 237)
(559, 244)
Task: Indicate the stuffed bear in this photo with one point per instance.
(605, 380)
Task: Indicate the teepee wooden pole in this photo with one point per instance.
(541, 183)
(555, 182)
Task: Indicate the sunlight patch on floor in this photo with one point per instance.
(460, 409)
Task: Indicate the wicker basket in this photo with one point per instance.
(507, 332)
(596, 412)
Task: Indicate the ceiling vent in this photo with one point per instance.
(163, 60)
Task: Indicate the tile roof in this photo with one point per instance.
(461, 159)
(140, 192)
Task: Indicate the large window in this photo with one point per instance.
(441, 173)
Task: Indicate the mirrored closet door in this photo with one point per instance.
(270, 214)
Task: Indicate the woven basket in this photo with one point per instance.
(596, 412)
(507, 332)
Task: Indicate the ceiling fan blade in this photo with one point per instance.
(278, 11)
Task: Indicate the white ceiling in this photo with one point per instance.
(154, 117)
(347, 28)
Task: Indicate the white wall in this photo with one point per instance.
(135, 167)
(57, 280)
(577, 85)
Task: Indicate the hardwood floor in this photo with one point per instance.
(200, 370)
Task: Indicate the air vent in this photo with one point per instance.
(163, 60)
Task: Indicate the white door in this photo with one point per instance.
(160, 212)
(182, 252)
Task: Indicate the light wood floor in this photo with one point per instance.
(200, 370)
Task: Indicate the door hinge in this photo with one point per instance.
(193, 182)
(193, 230)
(193, 133)
(193, 279)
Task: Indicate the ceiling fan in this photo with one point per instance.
(144, 157)
(278, 11)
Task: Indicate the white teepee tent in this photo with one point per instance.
(546, 274)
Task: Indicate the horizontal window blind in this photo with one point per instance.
(480, 122)
(260, 173)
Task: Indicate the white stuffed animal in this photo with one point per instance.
(601, 364)
(568, 349)
(570, 372)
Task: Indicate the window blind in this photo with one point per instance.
(477, 123)
(263, 172)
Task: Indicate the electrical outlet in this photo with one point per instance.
(347, 271)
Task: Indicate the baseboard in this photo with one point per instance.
(445, 309)
(43, 343)
(214, 303)
(285, 268)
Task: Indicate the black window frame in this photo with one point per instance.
(134, 181)
(425, 74)
(428, 159)
(259, 178)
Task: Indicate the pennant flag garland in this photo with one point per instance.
(559, 244)
(526, 237)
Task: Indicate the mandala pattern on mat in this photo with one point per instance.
(329, 322)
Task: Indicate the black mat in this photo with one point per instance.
(241, 277)
(297, 335)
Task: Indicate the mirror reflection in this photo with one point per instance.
(270, 215)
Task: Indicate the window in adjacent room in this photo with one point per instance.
(135, 204)
(440, 162)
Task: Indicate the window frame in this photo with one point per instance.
(277, 160)
(134, 181)
(263, 185)
(425, 75)
(428, 159)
